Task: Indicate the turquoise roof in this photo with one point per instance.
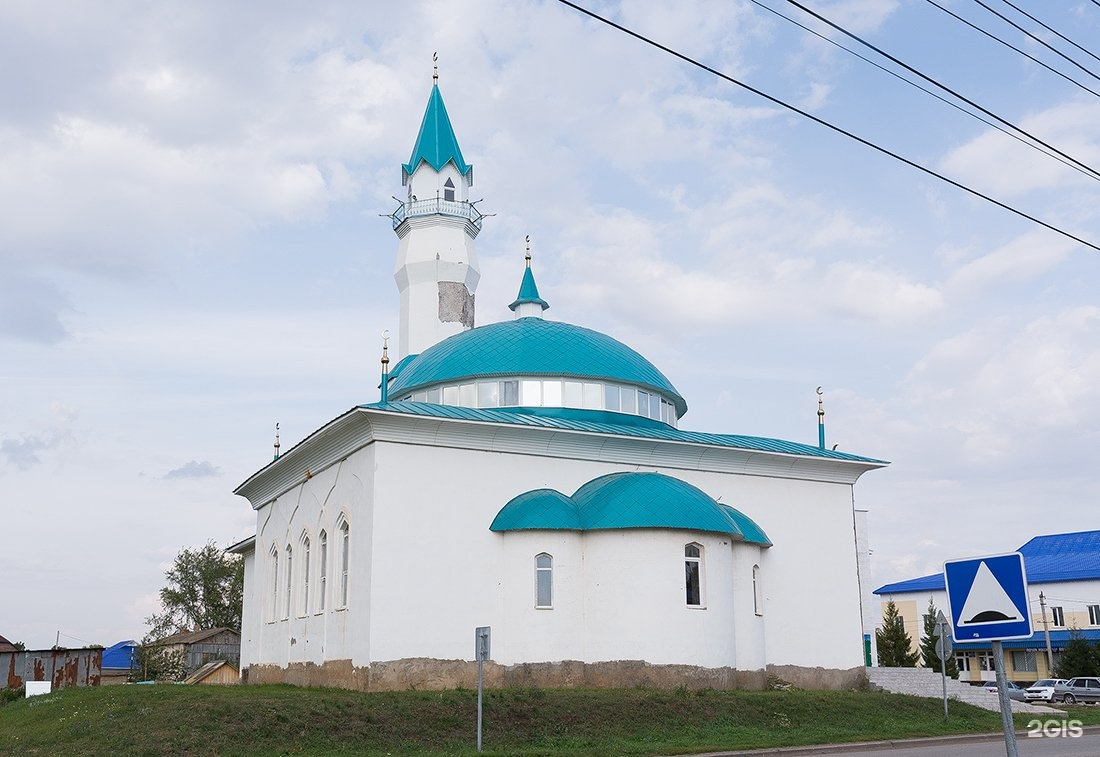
(436, 144)
(627, 500)
(532, 347)
(596, 422)
(528, 292)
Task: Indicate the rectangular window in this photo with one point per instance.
(305, 577)
(1023, 661)
(962, 662)
(544, 581)
(450, 395)
(593, 397)
(572, 394)
(654, 407)
(629, 399)
(488, 394)
(467, 395)
(1057, 617)
(611, 398)
(643, 403)
(345, 543)
(322, 570)
(432, 396)
(1094, 615)
(693, 589)
(985, 661)
(509, 393)
(530, 393)
(551, 393)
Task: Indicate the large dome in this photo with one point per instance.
(531, 347)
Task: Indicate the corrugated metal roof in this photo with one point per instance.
(532, 347)
(577, 421)
(627, 500)
(193, 637)
(436, 144)
(1058, 640)
(120, 655)
(1054, 557)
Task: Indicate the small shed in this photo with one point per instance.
(119, 662)
(202, 646)
(219, 673)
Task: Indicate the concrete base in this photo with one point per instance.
(430, 674)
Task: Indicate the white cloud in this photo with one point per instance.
(194, 469)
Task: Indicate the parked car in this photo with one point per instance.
(1084, 689)
(1045, 690)
(1014, 691)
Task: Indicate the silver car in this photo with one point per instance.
(1084, 689)
(1044, 690)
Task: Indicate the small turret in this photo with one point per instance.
(528, 304)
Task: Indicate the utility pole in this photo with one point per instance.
(1046, 632)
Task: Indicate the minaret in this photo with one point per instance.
(528, 304)
(436, 270)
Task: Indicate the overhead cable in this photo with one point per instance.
(927, 91)
(826, 124)
(1052, 31)
(1042, 42)
(1011, 46)
(945, 88)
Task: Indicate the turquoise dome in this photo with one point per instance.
(627, 500)
(531, 347)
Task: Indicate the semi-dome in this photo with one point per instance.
(627, 500)
(534, 348)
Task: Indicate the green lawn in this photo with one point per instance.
(196, 720)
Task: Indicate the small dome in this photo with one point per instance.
(531, 347)
(627, 500)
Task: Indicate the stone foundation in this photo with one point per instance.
(430, 674)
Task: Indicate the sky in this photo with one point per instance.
(194, 247)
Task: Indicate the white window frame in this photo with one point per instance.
(1057, 617)
(1094, 615)
(273, 594)
(304, 604)
(548, 571)
(322, 570)
(962, 662)
(985, 662)
(757, 592)
(697, 560)
(344, 529)
(289, 593)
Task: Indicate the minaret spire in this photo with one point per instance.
(437, 269)
(528, 304)
(385, 366)
(276, 442)
(820, 420)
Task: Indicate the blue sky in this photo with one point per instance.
(193, 250)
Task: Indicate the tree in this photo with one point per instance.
(893, 642)
(205, 590)
(929, 657)
(1079, 658)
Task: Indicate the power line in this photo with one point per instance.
(945, 88)
(825, 123)
(927, 91)
(1052, 31)
(1009, 45)
(1053, 49)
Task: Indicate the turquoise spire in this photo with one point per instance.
(528, 291)
(436, 144)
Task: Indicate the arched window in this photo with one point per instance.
(449, 190)
(273, 608)
(345, 544)
(289, 581)
(757, 593)
(693, 574)
(322, 571)
(305, 575)
(544, 581)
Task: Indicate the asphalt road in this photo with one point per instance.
(1085, 745)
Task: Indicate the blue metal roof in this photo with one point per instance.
(120, 655)
(532, 347)
(1055, 557)
(1058, 640)
(627, 500)
(436, 144)
(528, 292)
(657, 430)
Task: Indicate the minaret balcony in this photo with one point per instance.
(437, 206)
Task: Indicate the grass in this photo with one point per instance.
(253, 720)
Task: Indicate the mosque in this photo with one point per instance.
(532, 476)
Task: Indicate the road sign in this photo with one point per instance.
(943, 643)
(987, 597)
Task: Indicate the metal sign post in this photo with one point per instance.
(943, 648)
(988, 600)
(481, 653)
